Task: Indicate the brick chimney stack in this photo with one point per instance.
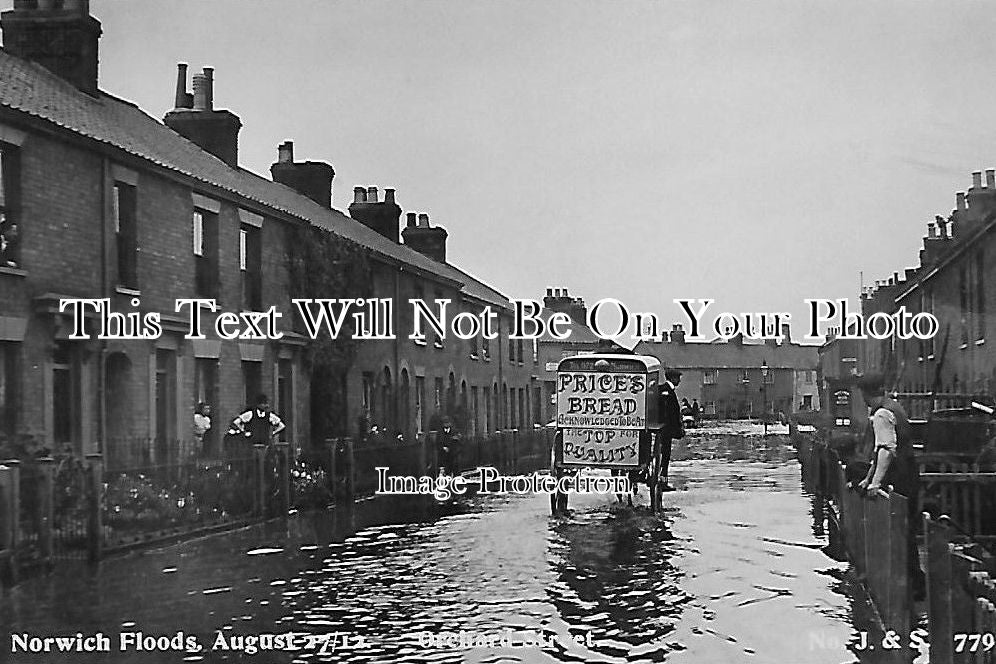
(195, 118)
(560, 300)
(677, 334)
(310, 178)
(425, 239)
(382, 216)
(60, 35)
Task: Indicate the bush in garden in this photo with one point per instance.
(309, 486)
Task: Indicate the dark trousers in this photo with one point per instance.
(664, 445)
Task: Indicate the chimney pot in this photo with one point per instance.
(410, 219)
(423, 220)
(942, 224)
(371, 194)
(931, 230)
(200, 92)
(359, 195)
(960, 201)
(209, 78)
(181, 86)
(389, 196)
(976, 179)
(549, 292)
(285, 152)
(990, 178)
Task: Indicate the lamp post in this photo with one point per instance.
(764, 394)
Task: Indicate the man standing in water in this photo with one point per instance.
(893, 464)
(672, 427)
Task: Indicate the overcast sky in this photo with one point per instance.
(757, 153)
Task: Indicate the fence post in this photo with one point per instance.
(503, 452)
(349, 476)
(95, 486)
(900, 591)
(431, 448)
(421, 455)
(259, 470)
(940, 582)
(7, 516)
(15, 501)
(283, 453)
(515, 452)
(46, 505)
(333, 477)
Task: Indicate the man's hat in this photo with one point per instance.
(671, 373)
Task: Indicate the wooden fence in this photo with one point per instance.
(962, 492)
(961, 597)
(874, 531)
(920, 405)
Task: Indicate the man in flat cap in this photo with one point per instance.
(672, 427)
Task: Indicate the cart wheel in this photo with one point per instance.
(561, 503)
(558, 500)
(655, 486)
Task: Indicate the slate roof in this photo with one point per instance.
(730, 355)
(29, 88)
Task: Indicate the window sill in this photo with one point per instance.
(13, 271)
(963, 346)
(125, 290)
(980, 342)
(474, 357)
(437, 345)
(420, 342)
(930, 357)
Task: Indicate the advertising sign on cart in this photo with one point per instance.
(601, 416)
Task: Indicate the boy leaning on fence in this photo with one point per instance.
(258, 425)
(893, 463)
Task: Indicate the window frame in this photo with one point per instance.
(10, 204)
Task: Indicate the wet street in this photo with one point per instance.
(732, 571)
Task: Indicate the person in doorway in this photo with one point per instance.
(672, 427)
(893, 464)
(202, 424)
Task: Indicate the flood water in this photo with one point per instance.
(732, 571)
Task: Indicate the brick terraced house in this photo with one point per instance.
(101, 200)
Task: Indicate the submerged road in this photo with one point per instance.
(732, 571)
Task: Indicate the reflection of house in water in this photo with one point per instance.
(617, 565)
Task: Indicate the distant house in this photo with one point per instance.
(727, 377)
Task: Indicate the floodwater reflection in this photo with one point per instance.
(731, 571)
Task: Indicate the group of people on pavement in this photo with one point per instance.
(258, 424)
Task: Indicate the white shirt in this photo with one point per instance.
(201, 424)
(884, 424)
(246, 417)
